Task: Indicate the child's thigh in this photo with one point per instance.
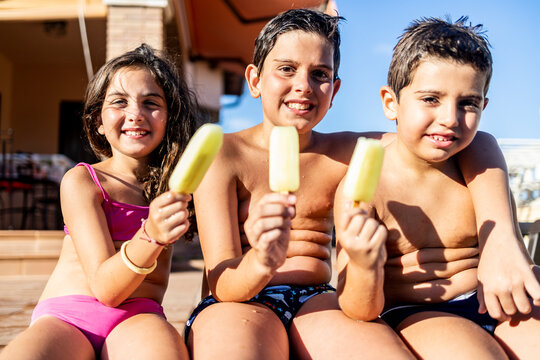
(239, 330)
(439, 335)
(49, 338)
(519, 337)
(144, 336)
(321, 330)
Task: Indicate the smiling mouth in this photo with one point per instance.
(442, 138)
(135, 132)
(299, 106)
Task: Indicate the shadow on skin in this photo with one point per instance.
(420, 225)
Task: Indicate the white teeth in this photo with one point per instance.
(440, 138)
(135, 133)
(298, 106)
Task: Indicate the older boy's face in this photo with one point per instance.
(296, 84)
(439, 111)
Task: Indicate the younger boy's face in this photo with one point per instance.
(438, 113)
(296, 84)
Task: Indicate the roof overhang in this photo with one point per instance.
(50, 10)
(223, 31)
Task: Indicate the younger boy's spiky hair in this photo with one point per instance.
(434, 37)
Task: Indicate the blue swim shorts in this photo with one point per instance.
(284, 300)
(465, 305)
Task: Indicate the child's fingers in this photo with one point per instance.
(368, 230)
(481, 302)
(532, 284)
(268, 224)
(493, 307)
(507, 303)
(521, 299)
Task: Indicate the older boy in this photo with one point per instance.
(438, 80)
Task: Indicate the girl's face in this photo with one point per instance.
(134, 113)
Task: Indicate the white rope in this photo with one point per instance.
(84, 39)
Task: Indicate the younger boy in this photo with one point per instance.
(438, 80)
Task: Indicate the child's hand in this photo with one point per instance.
(268, 228)
(363, 238)
(168, 217)
(506, 280)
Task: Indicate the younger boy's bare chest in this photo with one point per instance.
(431, 212)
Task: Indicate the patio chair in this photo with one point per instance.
(533, 232)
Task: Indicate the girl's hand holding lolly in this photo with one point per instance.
(168, 217)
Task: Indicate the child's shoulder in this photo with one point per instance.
(78, 180)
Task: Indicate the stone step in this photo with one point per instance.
(29, 252)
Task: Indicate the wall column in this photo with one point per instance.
(129, 26)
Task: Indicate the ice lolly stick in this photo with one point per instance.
(196, 159)
(284, 159)
(364, 170)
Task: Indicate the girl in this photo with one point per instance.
(103, 298)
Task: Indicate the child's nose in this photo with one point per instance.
(450, 116)
(134, 113)
(302, 83)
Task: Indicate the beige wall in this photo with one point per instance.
(37, 93)
(6, 88)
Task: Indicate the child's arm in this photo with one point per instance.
(233, 275)
(110, 280)
(361, 255)
(504, 271)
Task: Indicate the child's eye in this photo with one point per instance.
(286, 69)
(321, 75)
(470, 105)
(430, 100)
(117, 101)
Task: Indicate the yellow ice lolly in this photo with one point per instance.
(196, 159)
(364, 170)
(284, 159)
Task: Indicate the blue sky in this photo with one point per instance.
(371, 30)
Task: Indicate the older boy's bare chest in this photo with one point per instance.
(435, 211)
(319, 178)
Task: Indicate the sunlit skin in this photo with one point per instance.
(133, 120)
(134, 113)
(252, 238)
(430, 258)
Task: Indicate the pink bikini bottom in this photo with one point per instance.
(93, 318)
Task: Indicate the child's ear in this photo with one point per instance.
(100, 129)
(337, 84)
(253, 80)
(486, 100)
(389, 103)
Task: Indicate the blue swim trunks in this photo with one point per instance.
(465, 305)
(284, 300)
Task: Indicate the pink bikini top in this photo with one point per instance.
(123, 220)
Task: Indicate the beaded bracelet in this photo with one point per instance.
(147, 237)
(136, 269)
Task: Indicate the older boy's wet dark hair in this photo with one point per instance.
(433, 37)
(310, 21)
(182, 113)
